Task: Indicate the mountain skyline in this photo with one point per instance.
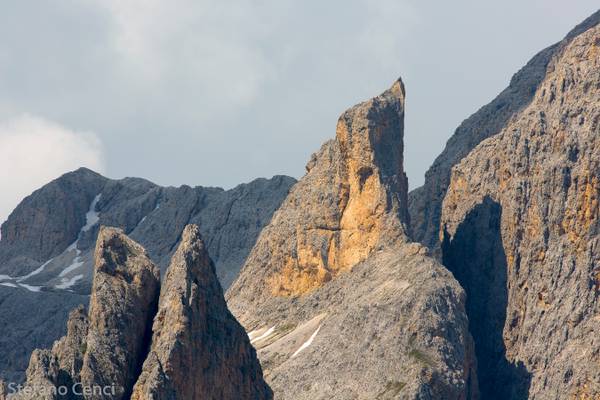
(92, 92)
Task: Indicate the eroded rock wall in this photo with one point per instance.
(521, 222)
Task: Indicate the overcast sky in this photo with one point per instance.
(219, 92)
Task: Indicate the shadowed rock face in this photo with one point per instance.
(536, 250)
(337, 302)
(199, 351)
(425, 202)
(30, 320)
(477, 259)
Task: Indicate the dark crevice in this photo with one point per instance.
(476, 257)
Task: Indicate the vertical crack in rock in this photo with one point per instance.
(476, 258)
(536, 185)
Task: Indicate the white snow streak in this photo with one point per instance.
(67, 283)
(31, 288)
(36, 272)
(92, 216)
(263, 336)
(74, 265)
(307, 343)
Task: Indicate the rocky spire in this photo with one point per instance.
(351, 200)
(123, 303)
(199, 351)
(337, 302)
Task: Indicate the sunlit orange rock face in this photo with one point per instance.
(351, 200)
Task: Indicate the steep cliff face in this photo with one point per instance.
(122, 306)
(47, 222)
(47, 246)
(338, 303)
(521, 232)
(349, 202)
(199, 351)
(425, 203)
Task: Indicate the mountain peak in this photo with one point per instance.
(351, 201)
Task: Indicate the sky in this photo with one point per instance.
(216, 93)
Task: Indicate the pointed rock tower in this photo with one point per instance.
(337, 301)
(123, 303)
(199, 351)
(351, 200)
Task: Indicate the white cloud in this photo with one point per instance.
(33, 151)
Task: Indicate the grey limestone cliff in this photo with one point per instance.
(425, 202)
(338, 302)
(521, 233)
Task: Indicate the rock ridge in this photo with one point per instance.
(425, 202)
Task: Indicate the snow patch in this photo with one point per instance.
(92, 216)
(67, 283)
(5, 277)
(34, 289)
(8, 284)
(33, 273)
(74, 265)
(265, 335)
(307, 343)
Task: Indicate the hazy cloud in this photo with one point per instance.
(211, 92)
(33, 151)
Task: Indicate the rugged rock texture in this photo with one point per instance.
(425, 203)
(350, 201)
(30, 320)
(70, 350)
(521, 233)
(46, 251)
(47, 222)
(55, 228)
(394, 327)
(49, 370)
(338, 303)
(41, 377)
(122, 306)
(199, 351)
